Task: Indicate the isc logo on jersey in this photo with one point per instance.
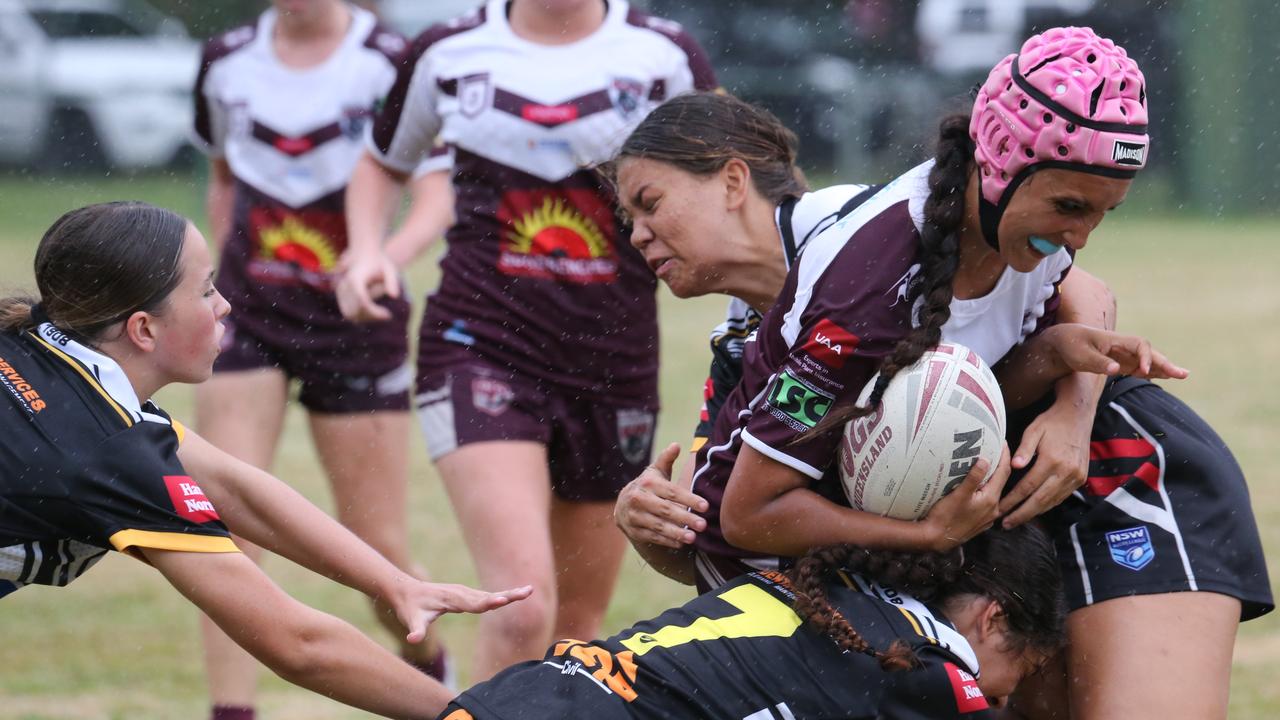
(796, 403)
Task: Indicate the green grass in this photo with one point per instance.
(121, 644)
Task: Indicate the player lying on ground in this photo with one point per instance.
(846, 633)
(127, 306)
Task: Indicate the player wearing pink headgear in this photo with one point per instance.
(913, 265)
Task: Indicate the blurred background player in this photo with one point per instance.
(281, 106)
(127, 306)
(847, 633)
(537, 368)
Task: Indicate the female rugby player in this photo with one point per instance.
(537, 367)
(127, 305)
(1224, 557)
(281, 106)
(847, 633)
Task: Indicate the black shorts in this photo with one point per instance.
(1165, 508)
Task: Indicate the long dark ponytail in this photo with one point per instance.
(1017, 568)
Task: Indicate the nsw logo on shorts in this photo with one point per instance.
(1131, 548)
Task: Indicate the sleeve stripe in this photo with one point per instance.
(182, 542)
(178, 429)
(697, 444)
(779, 456)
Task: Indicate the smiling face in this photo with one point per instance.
(678, 223)
(1055, 208)
(188, 325)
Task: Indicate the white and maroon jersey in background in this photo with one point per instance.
(798, 221)
(539, 275)
(291, 138)
(842, 310)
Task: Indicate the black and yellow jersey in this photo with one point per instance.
(85, 467)
(742, 653)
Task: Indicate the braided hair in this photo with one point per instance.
(939, 257)
(1016, 568)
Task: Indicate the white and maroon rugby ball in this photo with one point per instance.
(935, 420)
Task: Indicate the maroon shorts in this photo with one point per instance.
(360, 377)
(593, 449)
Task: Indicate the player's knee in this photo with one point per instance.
(529, 621)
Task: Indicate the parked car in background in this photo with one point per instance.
(93, 83)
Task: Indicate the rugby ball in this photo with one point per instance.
(935, 420)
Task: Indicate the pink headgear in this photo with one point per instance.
(1068, 99)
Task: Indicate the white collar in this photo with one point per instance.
(931, 626)
(106, 372)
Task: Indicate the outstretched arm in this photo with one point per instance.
(264, 510)
(300, 644)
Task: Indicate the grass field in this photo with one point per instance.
(120, 643)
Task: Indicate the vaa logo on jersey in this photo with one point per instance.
(189, 500)
(1131, 548)
(969, 697)
(635, 434)
(830, 344)
(565, 235)
(491, 397)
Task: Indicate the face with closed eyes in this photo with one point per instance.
(678, 220)
(1055, 208)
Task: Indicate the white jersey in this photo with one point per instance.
(539, 275)
(476, 86)
(798, 221)
(292, 134)
(291, 138)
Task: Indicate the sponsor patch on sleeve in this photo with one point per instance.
(968, 697)
(830, 344)
(189, 500)
(798, 404)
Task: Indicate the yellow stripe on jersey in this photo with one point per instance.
(182, 542)
(178, 429)
(93, 382)
(697, 444)
(760, 615)
(914, 623)
(848, 581)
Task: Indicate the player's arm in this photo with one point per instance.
(1063, 349)
(769, 508)
(219, 200)
(431, 213)
(300, 644)
(1058, 439)
(367, 273)
(264, 510)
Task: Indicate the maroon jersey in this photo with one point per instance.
(539, 275)
(845, 305)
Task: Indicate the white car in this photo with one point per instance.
(87, 83)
